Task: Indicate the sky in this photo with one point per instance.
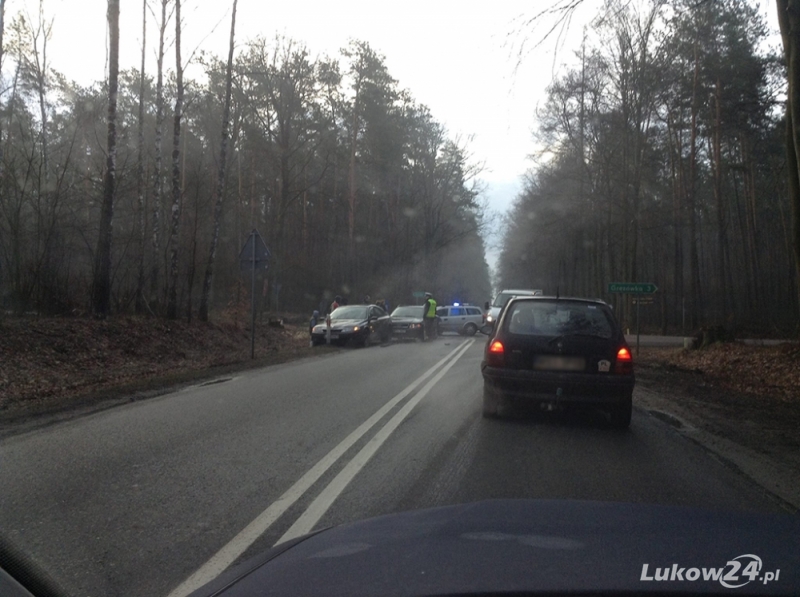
(458, 57)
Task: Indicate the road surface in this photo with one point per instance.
(155, 497)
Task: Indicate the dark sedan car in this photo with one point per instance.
(407, 322)
(357, 324)
(558, 353)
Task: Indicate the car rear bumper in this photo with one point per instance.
(559, 388)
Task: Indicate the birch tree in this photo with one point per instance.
(223, 154)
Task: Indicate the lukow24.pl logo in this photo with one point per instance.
(737, 572)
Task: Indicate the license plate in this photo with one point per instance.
(334, 335)
(552, 363)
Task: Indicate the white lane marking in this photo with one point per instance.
(247, 536)
(325, 499)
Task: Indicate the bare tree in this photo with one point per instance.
(158, 181)
(140, 174)
(102, 279)
(172, 299)
(223, 152)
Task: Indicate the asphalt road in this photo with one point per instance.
(155, 497)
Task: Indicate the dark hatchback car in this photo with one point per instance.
(558, 353)
(356, 324)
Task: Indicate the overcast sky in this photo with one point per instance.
(456, 56)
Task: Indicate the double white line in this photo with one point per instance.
(239, 544)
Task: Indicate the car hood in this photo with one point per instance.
(530, 546)
(406, 319)
(346, 322)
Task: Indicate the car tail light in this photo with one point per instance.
(624, 361)
(495, 356)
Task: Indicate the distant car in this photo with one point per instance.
(558, 353)
(463, 319)
(407, 322)
(503, 298)
(356, 324)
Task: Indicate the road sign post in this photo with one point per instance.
(253, 252)
(638, 288)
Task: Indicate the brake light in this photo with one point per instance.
(495, 355)
(624, 364)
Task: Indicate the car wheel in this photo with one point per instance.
(621, 415)
(470, 329)
(491, 403)
(367, 339)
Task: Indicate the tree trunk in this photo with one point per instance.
(140, 178)
(172, 298)
(102, 282)
(223, 154)
(158, 184)
(694, 261)
(351, 219)
(716, 165)
(2, 27)
(789, 20)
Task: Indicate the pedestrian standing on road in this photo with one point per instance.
(335, 304)
(429, 317)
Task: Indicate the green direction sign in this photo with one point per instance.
(632, 287)
(418, 294)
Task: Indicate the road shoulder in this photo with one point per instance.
(755, 435)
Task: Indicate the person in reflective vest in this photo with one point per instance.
(429, 317)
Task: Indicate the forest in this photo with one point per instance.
(663, 161)
(662, 158)
(137, 193)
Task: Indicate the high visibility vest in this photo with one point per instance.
(431, 312)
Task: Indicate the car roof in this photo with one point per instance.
(528, 291)
(540, 297)
(365, 305)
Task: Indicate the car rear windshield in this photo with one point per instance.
(557, 318)
(349, 313)
(407, 312)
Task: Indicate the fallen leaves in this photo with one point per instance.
(52, 358)
(772, 371)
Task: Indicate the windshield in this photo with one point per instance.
(209, 208)
(546, 318)
(408, 312)
(353, 312)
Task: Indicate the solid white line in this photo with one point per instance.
(239, 544)
(325, 499)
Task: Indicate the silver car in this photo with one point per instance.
(463, 319)
(503, 298)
